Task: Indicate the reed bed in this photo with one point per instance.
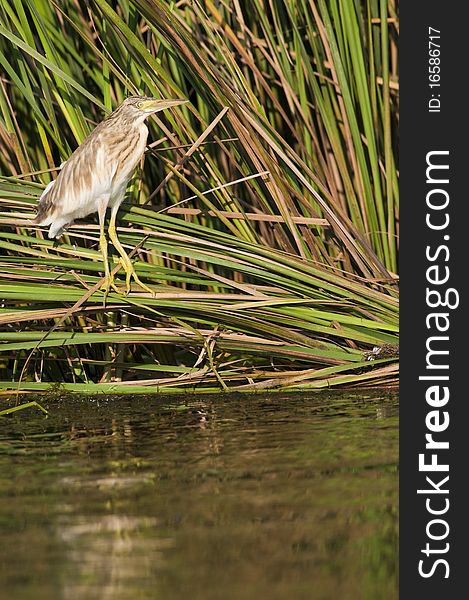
(264, 215)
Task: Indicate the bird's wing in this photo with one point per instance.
(84, 178)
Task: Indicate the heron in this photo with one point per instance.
(96, 176)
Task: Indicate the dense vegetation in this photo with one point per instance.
(264, 215)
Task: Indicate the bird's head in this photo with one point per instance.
(141, 106)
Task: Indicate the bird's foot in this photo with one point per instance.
(108, 284)
(131, 274)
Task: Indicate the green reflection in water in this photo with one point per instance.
(279, 497)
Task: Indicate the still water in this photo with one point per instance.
(279, 497)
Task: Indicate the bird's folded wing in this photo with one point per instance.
(85, 178)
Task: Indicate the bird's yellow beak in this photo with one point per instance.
(157, 105)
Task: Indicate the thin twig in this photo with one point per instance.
(248, 216)
(189, 153)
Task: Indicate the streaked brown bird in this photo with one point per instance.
(96, 176)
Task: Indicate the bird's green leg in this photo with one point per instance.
(126, 262)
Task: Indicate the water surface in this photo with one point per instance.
(282, 497)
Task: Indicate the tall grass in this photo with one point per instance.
(264, 215)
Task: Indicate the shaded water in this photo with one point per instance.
(276, 497)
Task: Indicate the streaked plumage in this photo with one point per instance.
(97, 173)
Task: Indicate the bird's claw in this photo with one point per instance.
(129, 274)
(107, 285)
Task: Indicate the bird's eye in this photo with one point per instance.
(140, 105)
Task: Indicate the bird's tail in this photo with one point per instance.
(42, 214)
(44, 206)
